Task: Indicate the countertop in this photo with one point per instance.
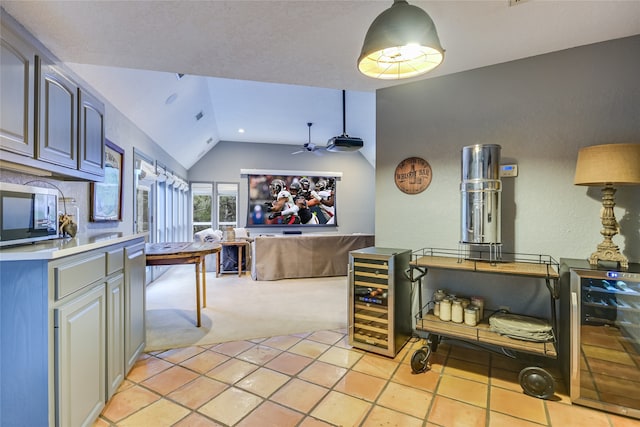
(58, 248)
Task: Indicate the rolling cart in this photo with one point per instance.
(534, 380)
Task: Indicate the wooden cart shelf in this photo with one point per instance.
(534, 380)
(482, 334)
(540, 269)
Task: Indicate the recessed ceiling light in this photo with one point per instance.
(171, 98)
(240, 130)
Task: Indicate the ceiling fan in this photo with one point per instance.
(309, 146)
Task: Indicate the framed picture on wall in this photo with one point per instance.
(106, 196)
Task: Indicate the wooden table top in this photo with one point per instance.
(181, 248)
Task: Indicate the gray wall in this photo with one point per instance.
(355, 191)
(541, 110)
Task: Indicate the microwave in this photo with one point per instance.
(27, 214)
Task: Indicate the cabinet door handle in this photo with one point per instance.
(575, 338)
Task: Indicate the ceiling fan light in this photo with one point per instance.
(402, 42)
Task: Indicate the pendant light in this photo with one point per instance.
(402, 42)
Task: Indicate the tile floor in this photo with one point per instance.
(317, 379)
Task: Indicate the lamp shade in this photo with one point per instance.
(608, 164)
(402, 42)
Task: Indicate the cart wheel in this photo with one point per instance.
(419, 360)
(537, 382)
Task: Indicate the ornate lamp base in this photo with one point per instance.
(609, 253)
(607, 250)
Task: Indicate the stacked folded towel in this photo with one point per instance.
(521, 327)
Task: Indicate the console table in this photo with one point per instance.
(238, 243)
(184, 253)
(305, 255)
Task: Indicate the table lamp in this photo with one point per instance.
(607, 166)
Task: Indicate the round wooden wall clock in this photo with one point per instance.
(413, 175)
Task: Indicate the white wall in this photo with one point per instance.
(541, 110)
(355, 190)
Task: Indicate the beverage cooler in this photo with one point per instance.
(600, 336)
(379, 300)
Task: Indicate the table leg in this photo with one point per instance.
(204, 284)
(198, 294)
(239, 260)
(218, 262)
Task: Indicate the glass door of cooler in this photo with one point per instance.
(605, 350)
(371, 302)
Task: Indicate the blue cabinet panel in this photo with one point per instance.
(24, 382)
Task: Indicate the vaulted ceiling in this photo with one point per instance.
(269, 67)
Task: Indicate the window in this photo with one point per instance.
(202, 203)
(227, 202)
(171, 207)
(144, 186)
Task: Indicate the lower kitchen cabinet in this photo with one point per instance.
(115, 333)
(69, 330)
(135, 326)
(80, 357)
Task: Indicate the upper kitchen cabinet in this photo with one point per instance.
(17, 92)
(70, 124)
(58, 118)
(90, 134)
(49, 124)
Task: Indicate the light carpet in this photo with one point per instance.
(240, 308)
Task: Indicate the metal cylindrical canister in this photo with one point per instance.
(478, 302)
(457, 312)
(481, 190)
(445, 310)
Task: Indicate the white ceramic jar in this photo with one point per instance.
(445, 309)
(436, 308)
(457, 312)
(471, 316)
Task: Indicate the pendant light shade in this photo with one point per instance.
(402, 42)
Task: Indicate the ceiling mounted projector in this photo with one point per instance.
(344, 142)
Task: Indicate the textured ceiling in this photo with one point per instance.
(306, 50)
